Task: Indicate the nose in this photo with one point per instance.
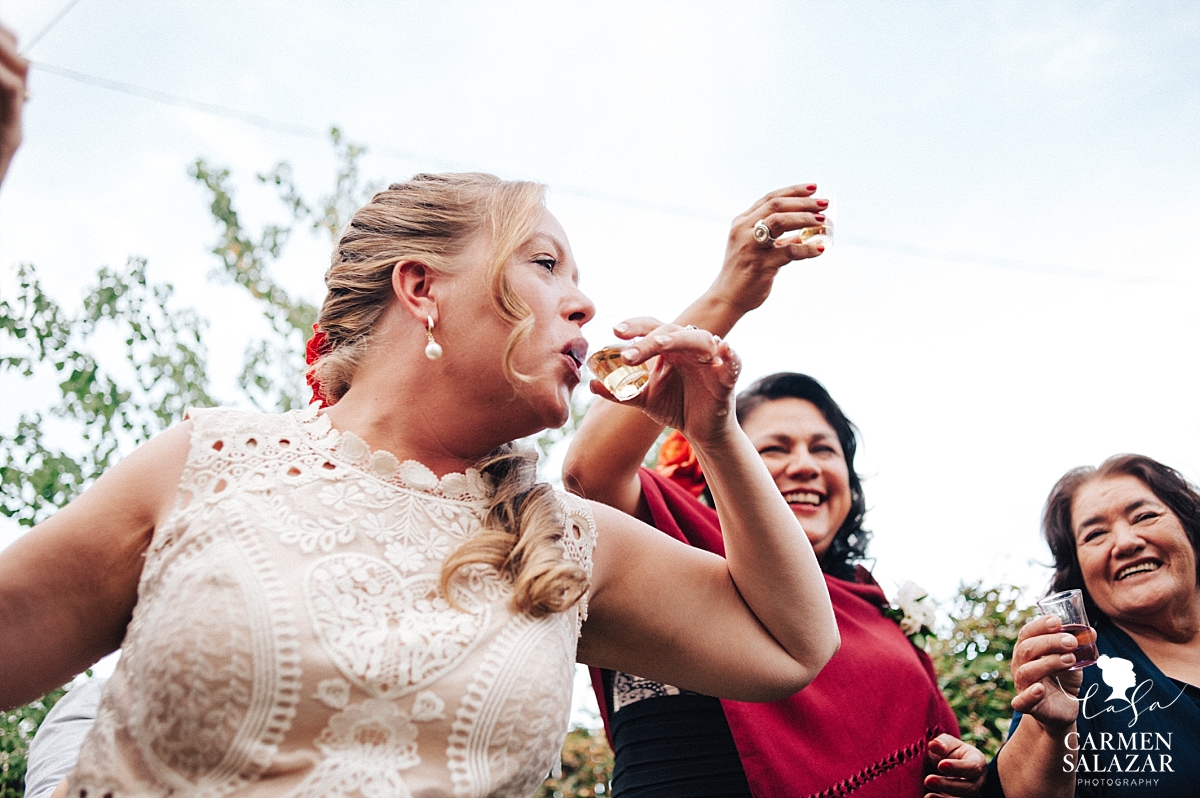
(802, 465)
(579, 308)
(1128, 540)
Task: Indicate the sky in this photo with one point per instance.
(1013, 291)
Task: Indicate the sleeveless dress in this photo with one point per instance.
(290, 638)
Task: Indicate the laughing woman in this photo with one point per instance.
(1128, 535)
(377, 598)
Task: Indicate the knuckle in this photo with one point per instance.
(777, 205)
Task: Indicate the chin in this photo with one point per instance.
(551, 417)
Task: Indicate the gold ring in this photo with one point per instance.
(762, 233)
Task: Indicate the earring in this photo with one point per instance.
(433, 350)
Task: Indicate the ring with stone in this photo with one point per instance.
(762, 233)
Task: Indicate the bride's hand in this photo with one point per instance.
(692, 375)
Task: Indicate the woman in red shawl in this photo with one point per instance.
(873, 723)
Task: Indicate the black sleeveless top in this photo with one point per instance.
(674, 746)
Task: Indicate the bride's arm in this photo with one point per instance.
(68, 586)
(755, 625)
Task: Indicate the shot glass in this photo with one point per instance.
(1068, 606)
(820, 235)
(621, 379)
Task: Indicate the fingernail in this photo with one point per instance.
(629, 354)
(820, 248)
(717, 361)
(822, 203)
(1069, 640)
(811, 187)
(1067, 659)
(820, 217)
(620, 327)
(662, 340)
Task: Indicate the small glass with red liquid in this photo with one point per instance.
(1068, 606)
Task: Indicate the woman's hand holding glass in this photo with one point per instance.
(692, 376)
(1041, 666)
(751, 265)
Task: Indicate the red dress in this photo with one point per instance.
(861, 727)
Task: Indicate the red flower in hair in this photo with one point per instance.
(677, 462)
(317, 345)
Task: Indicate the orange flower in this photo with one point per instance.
(677, 462)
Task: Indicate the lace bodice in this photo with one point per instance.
(290, 638)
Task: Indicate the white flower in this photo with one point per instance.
(918, 614)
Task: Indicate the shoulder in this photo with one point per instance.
(579, 528)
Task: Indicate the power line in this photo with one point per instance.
(65, 10)
(183, 102)
(303, 131)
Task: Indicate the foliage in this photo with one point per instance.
(272, 366)
(585, 767)
(17, 727)
(973, 657)
(110, 411)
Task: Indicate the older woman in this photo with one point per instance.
(874, 722)
(1127, 534)
(377, 599)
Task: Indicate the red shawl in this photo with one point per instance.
(860, 729)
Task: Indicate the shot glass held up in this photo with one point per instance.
(820, 235)
(1068, 606)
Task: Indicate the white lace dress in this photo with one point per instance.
(290, 639)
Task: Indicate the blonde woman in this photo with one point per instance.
(377, 599)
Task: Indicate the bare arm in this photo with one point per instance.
(605, 454)
(756, 625)
(1031, 763)
(68, 586)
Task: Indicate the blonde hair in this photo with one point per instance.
(431, 219)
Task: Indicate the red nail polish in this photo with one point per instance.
(822, 203)
(811, 187)
(820, 248)
(820, 217)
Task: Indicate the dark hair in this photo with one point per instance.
(1167, 484)
(849, 545)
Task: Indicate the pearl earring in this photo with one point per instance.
(433, 350)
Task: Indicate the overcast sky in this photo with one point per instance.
(1013, 292)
